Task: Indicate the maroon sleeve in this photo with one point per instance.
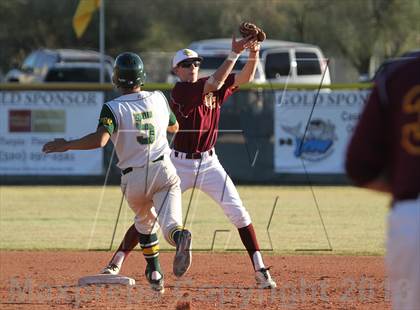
(227, 88)
(366, 153)
(185, 96)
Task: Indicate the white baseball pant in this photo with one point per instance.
(403, 254)
(154, 192)
(214, 181)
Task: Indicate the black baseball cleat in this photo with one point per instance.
(264, 280)
(111, 269)
(155, 279)
(183, 255)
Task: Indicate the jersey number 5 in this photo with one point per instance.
(143, 125)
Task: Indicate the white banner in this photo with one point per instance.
(28, 119)
(328, 131)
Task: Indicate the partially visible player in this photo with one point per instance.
(197, 104)
(136, 123)
(384, 155)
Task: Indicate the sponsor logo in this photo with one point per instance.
(187, 53)
(37, 121)
(318, 142)
(105, 121)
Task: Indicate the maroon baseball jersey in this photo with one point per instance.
(386, 141)
(198, 114)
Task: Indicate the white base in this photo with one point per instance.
(106, 279)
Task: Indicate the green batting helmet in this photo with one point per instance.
(128, 70)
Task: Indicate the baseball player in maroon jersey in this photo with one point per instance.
(384, 155)
(196, 104)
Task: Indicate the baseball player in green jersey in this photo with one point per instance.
(136, 123)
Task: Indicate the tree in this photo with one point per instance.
(362, 29)
(358, 30)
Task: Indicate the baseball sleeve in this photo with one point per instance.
(227, 89)
(107, 119)
(172, 119)
(366, 153)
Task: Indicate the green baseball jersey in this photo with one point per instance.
(137, 123)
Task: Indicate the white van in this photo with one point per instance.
(281, 61)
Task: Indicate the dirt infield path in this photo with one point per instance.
(41, 280)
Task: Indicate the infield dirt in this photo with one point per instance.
(41, 280)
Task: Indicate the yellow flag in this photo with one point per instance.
(83, 15)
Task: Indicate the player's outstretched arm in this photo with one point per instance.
(91, 141)
(247, 73)
(218, 78)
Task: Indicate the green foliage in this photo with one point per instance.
(356, 29)
(362, 29)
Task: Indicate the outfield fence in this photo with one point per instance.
(268, 134)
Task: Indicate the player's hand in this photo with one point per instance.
(255, 47)
(238, 46)
(57, 145)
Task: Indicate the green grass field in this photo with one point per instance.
(83, 217)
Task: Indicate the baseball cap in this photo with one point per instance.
(184, 54)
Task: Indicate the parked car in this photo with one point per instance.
(78, 72)
(293, 62)
(281, 61)
(37, 64)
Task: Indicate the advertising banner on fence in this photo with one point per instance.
(28, 119)
(328, 129)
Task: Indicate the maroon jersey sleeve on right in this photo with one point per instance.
(386, 141)
(227, 89)
(366, 154)
(185, 96)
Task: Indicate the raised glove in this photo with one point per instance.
(246, 29)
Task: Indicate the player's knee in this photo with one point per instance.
(146, 228)
(240, 219)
